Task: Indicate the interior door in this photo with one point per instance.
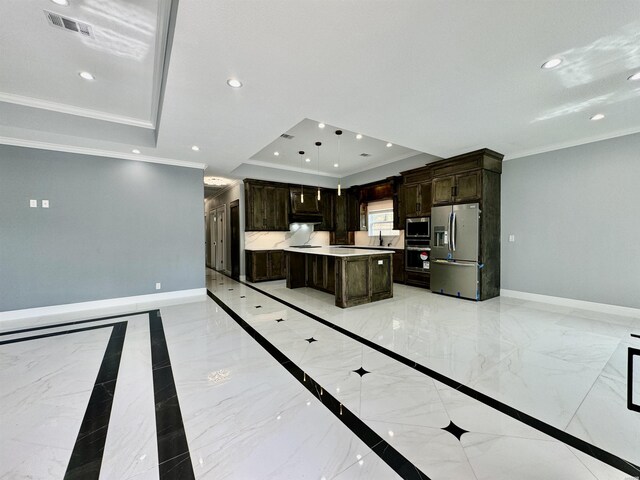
(221, 239)
(213, 238)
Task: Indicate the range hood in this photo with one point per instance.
(312, 218)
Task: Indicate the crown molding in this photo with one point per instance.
(17, 142)
(574, 143)
(72, 110)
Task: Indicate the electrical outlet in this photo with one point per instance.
(45, 203)
(512, 238)
(33, 203)
(158, 286)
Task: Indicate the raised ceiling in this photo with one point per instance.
(441, 77)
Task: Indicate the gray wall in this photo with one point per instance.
(575, 213)
(114, 228)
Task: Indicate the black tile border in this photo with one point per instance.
(174, 458)
(634, 335)
(86, 458)
(57, 334)
(632, 352)
(75, 322)
(401, 465)
(554, 432)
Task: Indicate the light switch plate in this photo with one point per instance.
(45, 203)
(158, 286)
(33, 203)
(512, 238)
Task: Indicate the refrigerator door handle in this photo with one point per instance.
(450, 232)
(453, 231)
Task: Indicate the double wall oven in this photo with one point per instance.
(417, 250)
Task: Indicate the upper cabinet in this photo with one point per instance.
(266, 206)
(459, 179)
(416, 192)
(327, 209)
(310, 205)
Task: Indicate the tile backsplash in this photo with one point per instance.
(362, 239)
(299, 234)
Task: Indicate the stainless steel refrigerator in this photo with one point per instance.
(454, 250)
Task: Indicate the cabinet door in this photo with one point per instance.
(411, 200)
(280, 209)
(425, 198)
(442, 190)
(399, 214)
(468, 186)
(326, 207)
(260, 264)
(255, 204)
(276, 264)
(310, 204)
(353, 211)
(398, 266)
(341, 213)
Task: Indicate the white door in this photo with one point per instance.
(220, 238)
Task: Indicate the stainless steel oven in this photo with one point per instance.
(417, 258)
(418, 228)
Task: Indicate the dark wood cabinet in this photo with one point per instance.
(342, 234)
(417, 279)
(352, 209)
(416, 192)
(462, 188)
(264, 265)
(398, 266)
(266, 206)
(399, 210)
(310, 204)
(327, 209)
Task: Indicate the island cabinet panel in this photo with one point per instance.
(296, 269)
(354, 281)
(381, 277)
(266, 206)
(398, 266)
(264, 265)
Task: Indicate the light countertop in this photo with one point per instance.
(335, 251)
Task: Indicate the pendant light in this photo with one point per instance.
(339, 133)
(301, 152)
(318, 145)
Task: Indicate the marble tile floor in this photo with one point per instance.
(245, 416)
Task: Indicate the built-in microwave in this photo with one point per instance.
(418, 228)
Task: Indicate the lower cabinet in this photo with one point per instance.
(418, 279)
(264, 265)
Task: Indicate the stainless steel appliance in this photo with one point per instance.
(454, 250)
(418, 228)
(416, 256)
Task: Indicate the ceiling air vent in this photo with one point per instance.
(69, 24)
(287, 136)
(365, 154)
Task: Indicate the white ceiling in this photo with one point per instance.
(442, 77)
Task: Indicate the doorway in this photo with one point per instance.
(234, 213)
(220, 231)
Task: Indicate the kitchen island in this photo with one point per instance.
(354, 276)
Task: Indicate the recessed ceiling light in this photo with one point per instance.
(635, 76)
(307, 160)
(64, 3)
(195, 148)
(276, 153)
(335, 165)
(321, 125)
(135, 150)
(234, 83)
(389, 144)
(87, 75)
(597, 116)
(553, 63)
(358, 136)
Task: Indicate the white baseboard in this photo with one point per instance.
(573, 303)
(132, 304)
